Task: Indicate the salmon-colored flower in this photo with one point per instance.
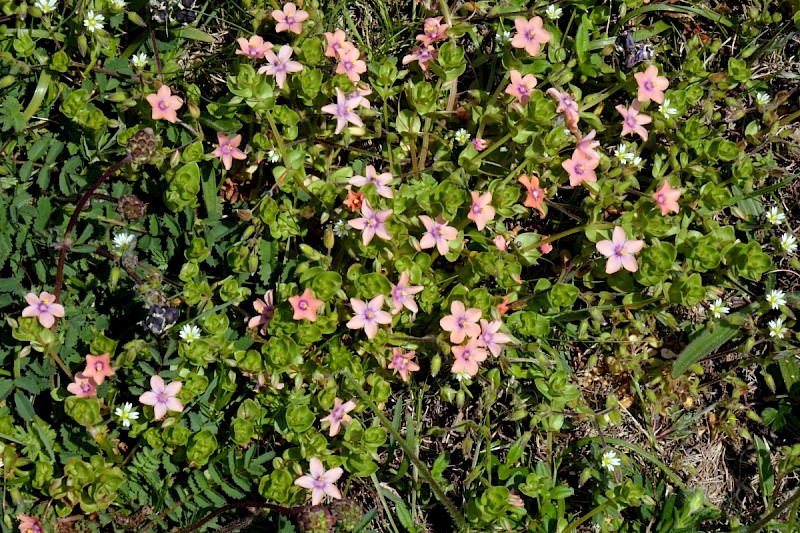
(500, 243)
(651, 85)
(266, 311)
(438, 234)
(280, 65)
(580, 168)
(320, 481)
(254, 47)
(461, 322)
(481, 211)
(98, 368)
(354, 200)
(350, 65)
(228, 149)
(530, 35)
(83, 387)
(568, 106)
(491, 338)
(165, 105)
(422, 55)
(619, 251)
(306, 306)
(44, 307)
(667, 198)
(520, 88)
(338, 416)
(536, 194)
(162, 397)
(29, 524)
(402, 362)
(371, 223)
(290, 18)
(367, 315)
(337, 43)
(633, 121)
(468, 357)
(588, 146)
(433, 30)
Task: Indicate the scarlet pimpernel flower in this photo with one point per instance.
(165, 105)
(481, 210)
(320, 481)
(619, 251)
(633, 121)
(588, 146)
(461, 322)
(530, 35)
(344, 112)
(371, 223)
(403, 294)
(228, 149)
(254, 47)
(338, 416)
(491, 338)
(354, 200)
(162, 397)
(83, 387)
(306, 306)
(667, 198)
(265, 309)
(433, 30)
(651, 85)
(521, 87)
(536, 194)
(568, 106)
(289, 18)
(44, 307)
(439, 234)
(368, 315)
(98, 368)
(280, 65)
(402, 362)
(29, 524)
(580, 168)
(350, 65)
(468, 357)
(337, 43)
(381, 181)
(422, 55)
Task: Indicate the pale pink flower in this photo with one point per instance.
(163, 397)
(403, 294)
(588, 146)
(461, 322)
(306, 306)
(536, 194)
(546, 248)
(501, 243)
(381, 181)
(422, 55)
(367, 316)
(580, 168)
(480, 144)
(371, 223)
(520, 88)
(320, 481)
(29, 524)
(632, 121)
(280, 65)
(439, 234)
(339, 416)
(44, 307)
(228, 149)
(254, 47)
(568, 106)
(651, 85)
(83, 387)
(164, 104)
(433, 30)
(357, 98)
(530, 35)
(481, 211)
(290, 18)
(667, 198)
(343, 111)
(98, 368)
(468, 357)
(402, 363)
(350, 65)
(337, 43)
(265, 309)
(619, 251)
(491, 338)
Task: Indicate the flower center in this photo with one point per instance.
(290, 20)
(369, 315)
(463, 323)
(648, 85)
(85, 387)
(530, 35)
(98, 366)
(630, 121)
(162, 397)
(163, 105)
(661, 199)
(303, 305)
(580, 169)
(319, 484)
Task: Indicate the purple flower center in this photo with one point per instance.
(290, 20)
(661, 199)
(86, 387)
(227, 149)
(348, 65)
(630, 121)
(162, 397)
(648, 85)
(42, 307)
(530, 35)
(252, 50)
(620, 251)
(98, 366)
(523, 89)
(320, 484)
(163, 105)
(303, 304)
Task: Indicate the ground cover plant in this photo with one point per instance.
(399, 266)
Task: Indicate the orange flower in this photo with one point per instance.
(536, 194)
(354, 200)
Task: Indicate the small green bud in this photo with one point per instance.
(436, 364)
(6, 81)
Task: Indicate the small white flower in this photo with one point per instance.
(776, 298)
(189, 333)
(762, 98)
(553, 12)
(610, 460)
(2, 464)
(775, 216)
(119, 5)
(124, 241)
(126, 413)
(503, 38)
(776, 328)
(718, 308)
(273, 156)
(341, 229)
(46, 6)
(462, 136)
(139, 61)
(788, 243)
(462, 376)
(93, 21)
(624, 154)
(666, 110)
(637, 162)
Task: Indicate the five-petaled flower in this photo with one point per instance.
(530, 35)
(29, 524)
(667, 198)
(350, 65)
(254, 47)
(491, 338)
(44, 307)
(320, 481)
(305, 306)
(402, 362)
(433, 30)
(344, 111)
(521, 87)
(718, 308)
(776, 328)
(280, 64)
(651, 85)
(633, 121)
(381, 181)
(162, 397)
(368, 315)
(339, 416)
(165, 105)
(619, 251)
(371, 223)
(354, 200)
(536, 194)
(337, 43)
(98, 368)
(403, 294)
(568, 106)
(289, 18)
(228, 149)
(580, 168)
(438, 234)
(588, 146)
(776, 298)
(93, 21)
(189, 333)
(468, 357)
(422, 55)
(461, 322)
(481, 210)
(265, 309)
(83, 387)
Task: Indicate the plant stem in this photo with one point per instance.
(758, 526)
(600, 508)
(539, 244)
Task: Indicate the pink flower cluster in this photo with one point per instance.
(433, 30)
(98, 368)
(462, 323)
(347, 54)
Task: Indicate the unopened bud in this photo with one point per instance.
(143, 146)
(6, 81)
(194, 110)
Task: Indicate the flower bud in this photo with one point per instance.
(436, 364)
(328, 238)
(131, 207)
(83, 45)
(6, 81)
(143, 146)
(194, 110)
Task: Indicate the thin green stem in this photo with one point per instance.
(599, 509)
(557, 236)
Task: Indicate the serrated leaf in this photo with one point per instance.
(705, 344)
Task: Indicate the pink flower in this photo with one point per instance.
(354, 200)
(403, 294)
(619, 251)
(632, 121)
(29, 524)
(568, 106)
(44, 307)
(402, 363)
(339, 415)
(667, 198)
(381, 182)
(462, 322)
(501, 243)
(98, 368)
(580, 168)
(520, 87)
(279, 65)
(265, 309)
(320, 481)
(367, 316)
(162, 397)
(481, 211)
(490, 338)
(254, 47)
(433, 31)
(530, 35)
(372, 223)
(350, 65)
(83, 387)
(536, 194)
(337, 43)
(356, 98)
(306, 306)
(480, 144)
(343, 111)
(228, 149)
(468, 357)
(651, 85)
(439, 234)
(588, 146)
(164, 104)
(289, 19)
(546, 248)
(422, 55)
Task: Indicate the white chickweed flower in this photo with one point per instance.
(776, 328)
(667, 111)
(126, 413)
(124, 241)
(462, 136)
(341, 229)
(775, 216)
(788, 243)
(553, 12)
(93, 21)
(189, 333)
(273, 156)
(776, 298)
(718, 308)
(119, 5)
(139, 61)
(762, 98)
(610, 460)
(46, 6)
(503, 38)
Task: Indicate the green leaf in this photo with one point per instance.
(582, 40)
(766, 476)
(24, 406)
(706, 343)
(194, 34)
